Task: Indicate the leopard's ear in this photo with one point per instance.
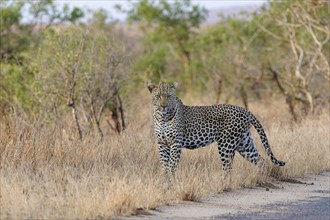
(151, 87)
(175, 85)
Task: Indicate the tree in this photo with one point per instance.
(232, 56)
(170, 31)
(17, 37)
(286, 43)
(81, 69)
(304, 35)
(10, 17)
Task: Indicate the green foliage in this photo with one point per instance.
(154, 60)
(178, 15)
(14, 81)
(17, 37)
(18, 40)
(46, 68)
(10, 14)
(81, 69)
(170, 35)
(48, 12)
(99, 19)
(301, 60)
(47, 65)
(237, 54)
(10, 17)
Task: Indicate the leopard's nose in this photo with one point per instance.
(163, 103)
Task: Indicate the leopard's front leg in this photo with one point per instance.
(164, 156)
(175, 155)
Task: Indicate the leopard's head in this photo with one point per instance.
(164, 99)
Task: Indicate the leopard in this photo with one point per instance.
(178, 126)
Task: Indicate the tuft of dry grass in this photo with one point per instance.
(45, 174)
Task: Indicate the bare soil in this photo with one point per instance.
(269, 201)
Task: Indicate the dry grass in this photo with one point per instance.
(47, 175)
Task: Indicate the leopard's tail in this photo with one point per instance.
(254, 121)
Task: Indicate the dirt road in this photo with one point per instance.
(304, 198)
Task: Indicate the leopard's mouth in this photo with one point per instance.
(163, 109)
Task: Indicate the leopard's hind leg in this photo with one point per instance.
(249, 151)
(226, 149)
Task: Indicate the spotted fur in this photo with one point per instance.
(179, 126)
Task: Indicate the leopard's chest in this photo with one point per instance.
(166, 132)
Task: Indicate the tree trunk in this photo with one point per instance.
(244, 97)
(121, 110)
(115, 119)
(219, 91)
(75, 118)
(288, 98)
